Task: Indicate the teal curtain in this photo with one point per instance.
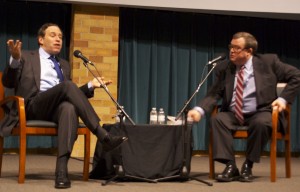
(21, 20)
(163, 57)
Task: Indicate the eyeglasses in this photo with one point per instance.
(235, 48)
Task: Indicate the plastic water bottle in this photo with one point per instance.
(161, 117)
(153, 116)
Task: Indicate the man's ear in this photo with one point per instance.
(41, 40)
(250, 50)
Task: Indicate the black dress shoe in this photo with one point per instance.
(246, 173)
(111, 142)
(62, 180)
(230, 173)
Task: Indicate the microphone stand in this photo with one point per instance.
(196, 91)
(184, 112)
(107, 91)
(120, 172)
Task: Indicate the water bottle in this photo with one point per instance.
(161, 117)
(153, 116)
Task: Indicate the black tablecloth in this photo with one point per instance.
(152, 151)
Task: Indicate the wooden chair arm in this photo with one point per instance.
(275, 121)
(17, 99)
(20, 108)
(287, 116)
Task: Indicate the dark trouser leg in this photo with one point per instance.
(259, 133)
(223, 124)
(67, 119)
(44, 105)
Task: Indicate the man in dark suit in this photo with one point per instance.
(44, 81)
(247, 87)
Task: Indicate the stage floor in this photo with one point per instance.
(40, 177)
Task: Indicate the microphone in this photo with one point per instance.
(220, 58)
(78, 54)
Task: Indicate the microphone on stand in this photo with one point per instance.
(78, 54)
(219, 58)
(86, 61)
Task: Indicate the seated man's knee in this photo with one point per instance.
(260, 122)
(261, 125)
(67, 107)
(69, 85)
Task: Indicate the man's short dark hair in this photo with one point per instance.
(43, 28)
(250, 40)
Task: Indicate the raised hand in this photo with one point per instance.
(96, 83)
(14, 48)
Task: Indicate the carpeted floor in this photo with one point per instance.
(40, 177)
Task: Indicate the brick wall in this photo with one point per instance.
(95, 32)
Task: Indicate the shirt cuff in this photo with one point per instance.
(90, 86)
(13, 63)
(282, 100)
(200, 110)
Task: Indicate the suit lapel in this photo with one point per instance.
(230, 75)
(258, 76)
(36, 67)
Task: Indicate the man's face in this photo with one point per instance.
(52, 41)
(237, 52)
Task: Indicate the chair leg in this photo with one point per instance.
(273, 159)
(1, 154)
(211, 160)
(86, 166)
(22, 158)
(211, 167)
(288, 158)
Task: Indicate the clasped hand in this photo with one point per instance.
(278, 105)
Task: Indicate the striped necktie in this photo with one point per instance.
(239, 96)
(57, 68)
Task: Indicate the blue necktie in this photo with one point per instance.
(57, 68)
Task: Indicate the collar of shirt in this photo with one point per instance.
(43, 53)
(48, 74)
(248, 65)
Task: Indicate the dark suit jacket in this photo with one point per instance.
(268, 71)
(26, 82)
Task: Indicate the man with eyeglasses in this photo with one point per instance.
(246, 84)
